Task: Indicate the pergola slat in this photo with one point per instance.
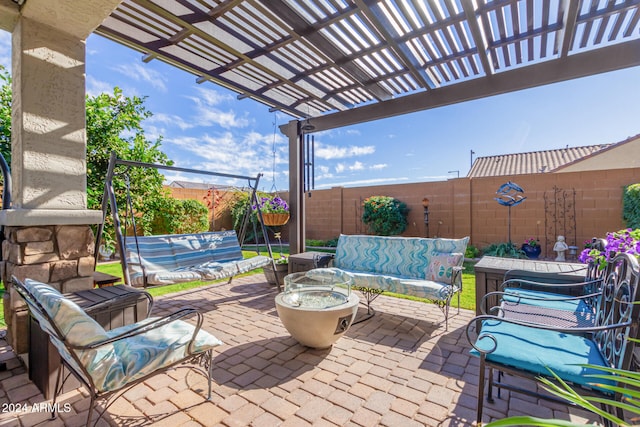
(319, 57)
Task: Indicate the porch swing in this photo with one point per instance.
(168, 259)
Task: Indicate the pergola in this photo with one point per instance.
(332, 63)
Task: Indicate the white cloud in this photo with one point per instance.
(247, 154)
(224, 119)
(357, 166)
(329, 152)
(96, 87)
(170, 119)
(139, 72)
(210, 97)
(207, 114)
(379, 166)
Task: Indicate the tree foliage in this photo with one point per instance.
(5, 114)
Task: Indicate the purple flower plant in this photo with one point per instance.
(627, 240)
(273, 205)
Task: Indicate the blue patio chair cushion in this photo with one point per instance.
(538, 350)
(524, 296)
(140, 355)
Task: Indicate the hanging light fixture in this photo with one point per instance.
(307, 126)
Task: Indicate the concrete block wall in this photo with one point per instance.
(467, 207)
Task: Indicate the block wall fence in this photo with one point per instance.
(578, 205)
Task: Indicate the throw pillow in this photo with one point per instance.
(441, 265)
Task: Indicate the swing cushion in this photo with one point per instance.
(176, 258)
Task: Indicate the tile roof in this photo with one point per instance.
(531, 162)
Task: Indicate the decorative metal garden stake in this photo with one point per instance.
(509, 194)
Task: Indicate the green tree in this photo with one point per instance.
(5, 114)
(114, 124)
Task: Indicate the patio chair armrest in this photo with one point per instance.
(145, 326)
(106, 303)
(456, 277)
(517, 283)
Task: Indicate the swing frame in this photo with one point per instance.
(109, 201)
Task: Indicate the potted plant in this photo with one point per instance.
(275, 211)
(277, 276)
(531, 248)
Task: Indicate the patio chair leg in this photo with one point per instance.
(490, 387)
(480, 392)
(91, 406)
(209, 371)
(56, 390)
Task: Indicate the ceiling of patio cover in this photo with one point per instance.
(318, 57)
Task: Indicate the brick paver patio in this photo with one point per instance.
(399, 368)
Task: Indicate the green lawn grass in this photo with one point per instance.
(467, 297)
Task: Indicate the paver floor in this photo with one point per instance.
(400, 368)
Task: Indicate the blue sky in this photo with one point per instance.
(204, 126)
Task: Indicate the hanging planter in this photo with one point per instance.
(275, 219)
(275, 211)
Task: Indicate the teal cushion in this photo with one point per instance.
(538, 350)
(577, 305)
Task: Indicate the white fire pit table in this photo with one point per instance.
(317, 309)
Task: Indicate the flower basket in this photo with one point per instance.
(277, 276)
(275, 219)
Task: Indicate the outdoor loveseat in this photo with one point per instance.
(108, 363)
(420, 267)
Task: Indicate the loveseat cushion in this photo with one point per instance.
(401, 285)
(406, 257)
(441, 266)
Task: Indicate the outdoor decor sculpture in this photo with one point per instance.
(560, 248)
(510, 194)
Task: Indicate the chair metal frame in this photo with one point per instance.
(616, 322)
(202, 361)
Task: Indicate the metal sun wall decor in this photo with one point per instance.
(509, 195)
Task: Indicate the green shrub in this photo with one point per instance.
(631, 206)
(504, 250)
(384, 215)
(472, 252)
(174, 216)
(332, 243)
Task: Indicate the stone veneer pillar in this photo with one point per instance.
(61, 256)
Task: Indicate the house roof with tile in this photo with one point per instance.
(532, 162)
